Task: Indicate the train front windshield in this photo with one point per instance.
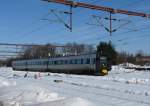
(103, 61)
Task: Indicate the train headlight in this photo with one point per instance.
(104, 71)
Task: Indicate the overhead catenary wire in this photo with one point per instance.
(41, 27)
(130, 41)
(35, 21)
(104, 37)
(97, 0)
(133, 31)
(119, 26)
(82, 9)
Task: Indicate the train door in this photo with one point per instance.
(101, 65)
(97, 64)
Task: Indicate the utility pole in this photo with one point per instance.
(71, 18)
(68, 26)
(110, 24)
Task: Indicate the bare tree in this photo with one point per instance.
(39, 51)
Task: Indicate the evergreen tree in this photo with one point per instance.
(108, 50)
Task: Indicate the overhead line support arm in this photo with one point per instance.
(96, 7)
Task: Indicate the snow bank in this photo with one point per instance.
(24, 94)
(128, 80)
(125, 65)
(119, 69)
(67, 102)
(137, 81)
(5, 82)
(17, 91)
(34, 95)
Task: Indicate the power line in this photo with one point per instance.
(31, 45)
(58, 0)
(135, 39)
(32, 23)
(101, 38)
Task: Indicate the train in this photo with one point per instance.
(89, 64)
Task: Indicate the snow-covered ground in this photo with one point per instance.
(129, 65)
(122, 87)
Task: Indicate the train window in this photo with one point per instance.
(55, 62)
(39, 63)
(45, 62)
(94, 60)
(73, 61)
(49, 62)
(70, 62)
(66, 61)
(79, 61)
(52, 62)
(59, 62)
(76, 61)
(82, 61)
(88, 61)
(63, 61)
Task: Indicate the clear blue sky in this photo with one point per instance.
(21, 22)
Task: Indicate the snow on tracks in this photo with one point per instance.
(19, 91)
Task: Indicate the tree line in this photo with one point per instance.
(114, 57)
(103, 49)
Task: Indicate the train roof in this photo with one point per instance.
(61, 57)
(93, 54)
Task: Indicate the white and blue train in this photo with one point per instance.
(81, 64)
